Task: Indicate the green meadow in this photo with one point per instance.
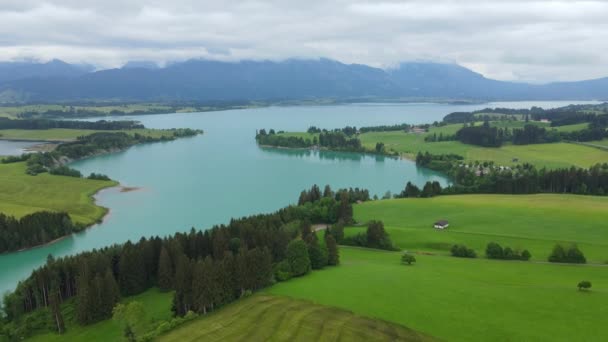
(62, 134)
(277, 318)
(157, 308)
(14, 111)
(22, 194)
(533, 222)
(457, 299)
(556, 155)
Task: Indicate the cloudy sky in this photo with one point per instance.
(537, 41)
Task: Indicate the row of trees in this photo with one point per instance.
(103, 125)
(520, 179)
(353, 195)
(86, 146)
(463, 251)
(567, 115)
(488, 136)
(206, 269)
(569, 254)
(430, 189)
(483, 135)
(33, 229)
(333, 140)
(495, 251)
(375, 236)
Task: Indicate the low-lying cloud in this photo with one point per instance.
(514, 40)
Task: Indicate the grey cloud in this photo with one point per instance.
(511, 39)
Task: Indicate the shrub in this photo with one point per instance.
(462, 251)
(571, 255)
(584, 285)
(408, 259)
(282, 271)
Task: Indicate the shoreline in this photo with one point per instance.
(92, 197)
(364, 152)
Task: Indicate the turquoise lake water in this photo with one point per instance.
(208, 179)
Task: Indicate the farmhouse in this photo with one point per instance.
(441, 224)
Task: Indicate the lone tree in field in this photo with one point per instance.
(408, 259)
(584, 285)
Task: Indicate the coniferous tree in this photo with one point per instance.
(55, 309)
(183, 285)
(111, 293)
(165, 270)
(132, 273)
(327, 192)
(84, 302)
(333, 255)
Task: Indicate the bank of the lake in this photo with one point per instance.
(208, 179)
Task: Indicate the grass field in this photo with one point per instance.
(61, 134)
(13, 111)
(21, 194)
(533, 222)
(272, 318)
(157, 307)
(557, 155)
(459, 299)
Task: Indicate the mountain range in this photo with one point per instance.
(292, 79)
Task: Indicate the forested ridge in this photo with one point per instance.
(33, 229)
(206, 269)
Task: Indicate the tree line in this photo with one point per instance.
(33, 229)
(488, 136)
(88, 145)
(334, 140)
(520, 179)
(567, 115)
(375, 236)
(496, 251)
(206, 269)
(102, 125)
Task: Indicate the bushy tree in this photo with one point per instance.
(570, 255)
(407, 258)
(494, 251)
(584, 285)
(298, 258)
(463, 252)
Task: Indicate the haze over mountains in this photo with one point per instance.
(293, 79)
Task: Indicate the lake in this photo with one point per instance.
(208, 179)
(11, 147)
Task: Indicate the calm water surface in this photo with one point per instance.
(206, 180)
(11, 148)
